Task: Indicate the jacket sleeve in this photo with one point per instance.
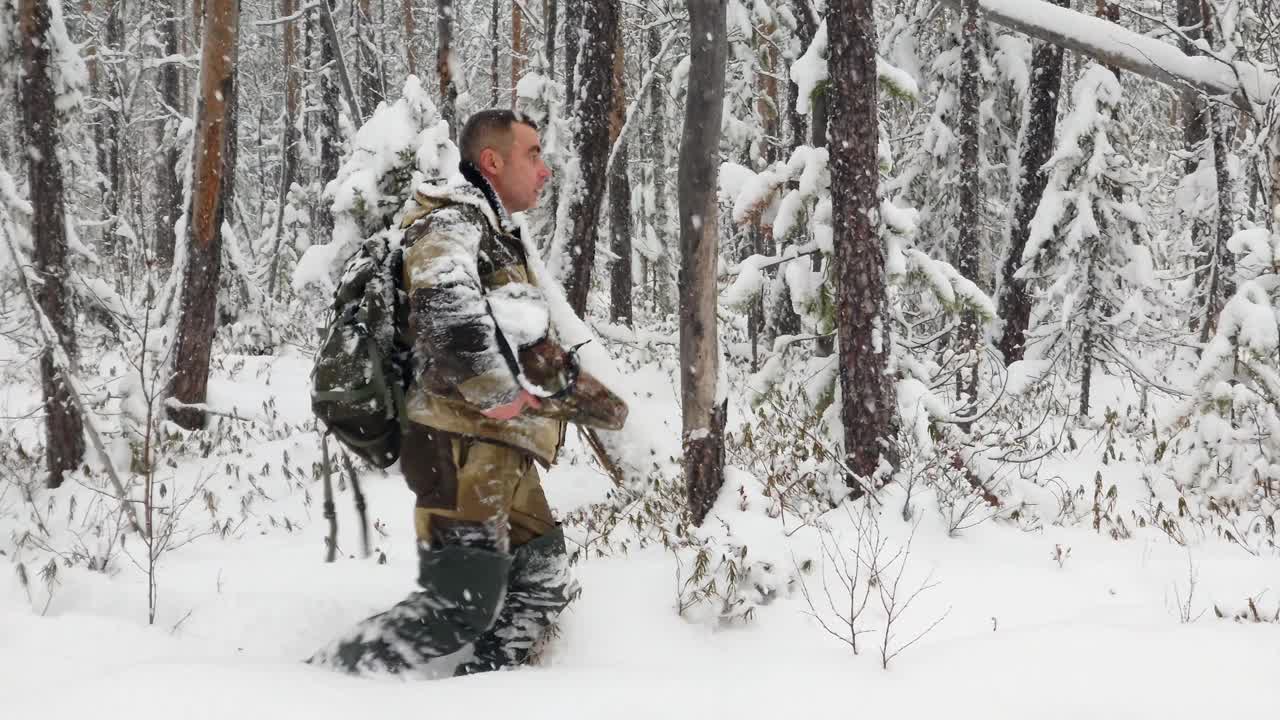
(455, 330)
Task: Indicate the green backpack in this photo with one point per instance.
(362, 369)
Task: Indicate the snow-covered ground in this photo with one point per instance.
(1023, 635)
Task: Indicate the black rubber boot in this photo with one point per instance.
(462, 590)
(539, 589)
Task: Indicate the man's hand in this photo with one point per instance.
(513, 408)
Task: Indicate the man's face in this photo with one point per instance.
(518, 174)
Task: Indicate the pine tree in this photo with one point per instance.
(64, 427)
(213, 173)
(1086, 259)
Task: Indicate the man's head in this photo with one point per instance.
(504, 146)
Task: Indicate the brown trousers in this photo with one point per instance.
(472, 492)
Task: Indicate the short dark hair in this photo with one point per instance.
(478, 133)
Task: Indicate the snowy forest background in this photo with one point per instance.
(1001, 294)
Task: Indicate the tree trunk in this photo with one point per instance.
(371, 90)
(212, 174)
(109, 162)
(600, 21)
(658, 164)
(64, 427)
(807, 30)
(1037, 146)
(862, 325)
(289, 138)
(703, 413)
(572, 44)
(1221, 264)
(328, 124)
(410, 35)
(444, 67)
(968, 245)
(169, 187)
(494, 56)
(550, 22)
(340, 63)
(517, 49)
(620, 281)
(1194, 134)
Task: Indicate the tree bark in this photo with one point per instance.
(1194, 133)
(550, 9)
(64, 426)
(444, 67)
(620, 281)
(572, 44)
(213, 170)
(806, 28)
(340, 63)
(410, 34)
(289, 139)
(371, 90)
(968, 244)
(703, 412)
(862, 326)
(169, 187)
(494, 57)
(328, 122)
(517, 49)
(657, 168)
(600, 22)
(1037, 146)
(1221, 264)
(109, 142)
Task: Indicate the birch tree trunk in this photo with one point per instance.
(64, 426)
(703, 411)
(862, 329)
(600, 21)
(1041, 123)
(213, 169)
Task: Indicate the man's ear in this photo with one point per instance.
(490, 161)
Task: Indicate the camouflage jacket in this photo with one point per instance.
(468, 280)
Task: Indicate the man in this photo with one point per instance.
(493, 567)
